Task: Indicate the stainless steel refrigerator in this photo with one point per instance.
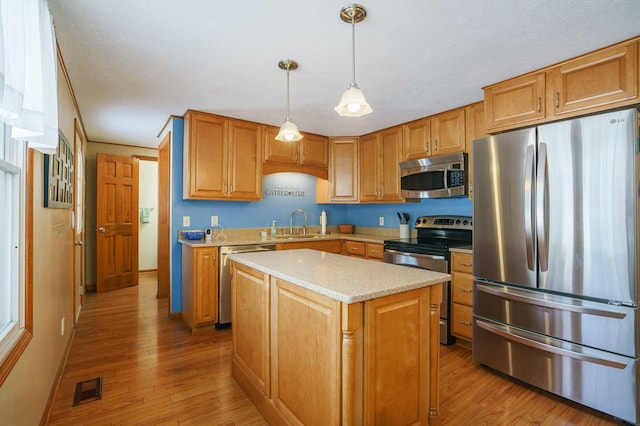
(555, 257)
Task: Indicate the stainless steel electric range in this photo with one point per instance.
(430, 250)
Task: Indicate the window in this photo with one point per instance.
(15, 312)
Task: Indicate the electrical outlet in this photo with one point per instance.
(214, 220)
(62, 326)
(186, 220)
(381, 221)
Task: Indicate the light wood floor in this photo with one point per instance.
(155, 372)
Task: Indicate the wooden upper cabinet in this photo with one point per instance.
(343, 170)
(476, 128)
(380, 155)
(221, 158)
(417, 139)
(245, 164)
(601, 80)
(204, 156)
(308, 155)
(448, 132)
(276, 151)
(391, 156)
(314, 151)
(515, 102)
(369, 183)
(605, 77)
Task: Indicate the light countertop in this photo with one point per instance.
(245, 240)
(344, 278)
(463, 249)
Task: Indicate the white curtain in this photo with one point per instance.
(28, 82)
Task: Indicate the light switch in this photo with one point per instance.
(381, 221)
(214, 220)
(186, 220)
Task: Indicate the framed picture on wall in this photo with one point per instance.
(58, 176)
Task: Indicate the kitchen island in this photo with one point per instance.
(326, 339)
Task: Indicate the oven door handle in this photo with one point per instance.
(424, 256)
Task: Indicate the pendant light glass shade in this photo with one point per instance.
(288, 131)
(353, 103)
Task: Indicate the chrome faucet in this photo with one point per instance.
(304, 228)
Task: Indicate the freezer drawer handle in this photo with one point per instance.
(518, 296)
(549, 348)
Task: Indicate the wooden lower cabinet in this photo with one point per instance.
(373, 251)
(199, 286)
(331, 246)
(462, 295)
(305, 358)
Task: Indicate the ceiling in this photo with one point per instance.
(132, 64)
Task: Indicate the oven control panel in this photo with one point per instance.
(447, 222)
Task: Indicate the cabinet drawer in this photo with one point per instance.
(462, 321)
(462, 262)
(355, 248)
(375, 251)
(462, 288)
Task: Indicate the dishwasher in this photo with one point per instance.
(224, 279)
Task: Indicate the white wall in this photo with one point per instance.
(148, 232)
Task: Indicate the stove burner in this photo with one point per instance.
(436, 235)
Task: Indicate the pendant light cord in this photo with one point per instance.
(353, 48)
(288, 110)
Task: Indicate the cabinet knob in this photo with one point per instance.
(435, 145)
(539, 104)
(465, 290)
(465, 322)
(557, 99)
(464, 264)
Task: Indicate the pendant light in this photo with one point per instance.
(288, 131)
(352, 103)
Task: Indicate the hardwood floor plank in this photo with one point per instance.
(155, 372)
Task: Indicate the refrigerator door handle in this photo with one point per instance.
(546, 301)
(547, 347)
(541, 201)
(528, 207)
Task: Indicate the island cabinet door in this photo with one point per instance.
(305, 355)
(250, 319)
(396, 359)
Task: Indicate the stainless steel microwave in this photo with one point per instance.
(442, 176)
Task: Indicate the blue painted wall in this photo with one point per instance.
(282, 193)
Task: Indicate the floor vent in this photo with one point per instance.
(89, 390)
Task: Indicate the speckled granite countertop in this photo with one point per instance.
(463, 249)
(344, 278)
(234, 237)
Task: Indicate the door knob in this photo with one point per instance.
(101, 229)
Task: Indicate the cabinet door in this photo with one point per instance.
(606, 77)
(278, 151)
(417, 139)
(313, 151)
(250, 319)
(205, 156)
(305, 326)
(343, 170)
(375, 251)
(205, 285)
(391, 322)
(515, 102)
(448, 132)
(476, 128)
(369, 181)
(355, 248)
(245, 165)
(391, 155)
